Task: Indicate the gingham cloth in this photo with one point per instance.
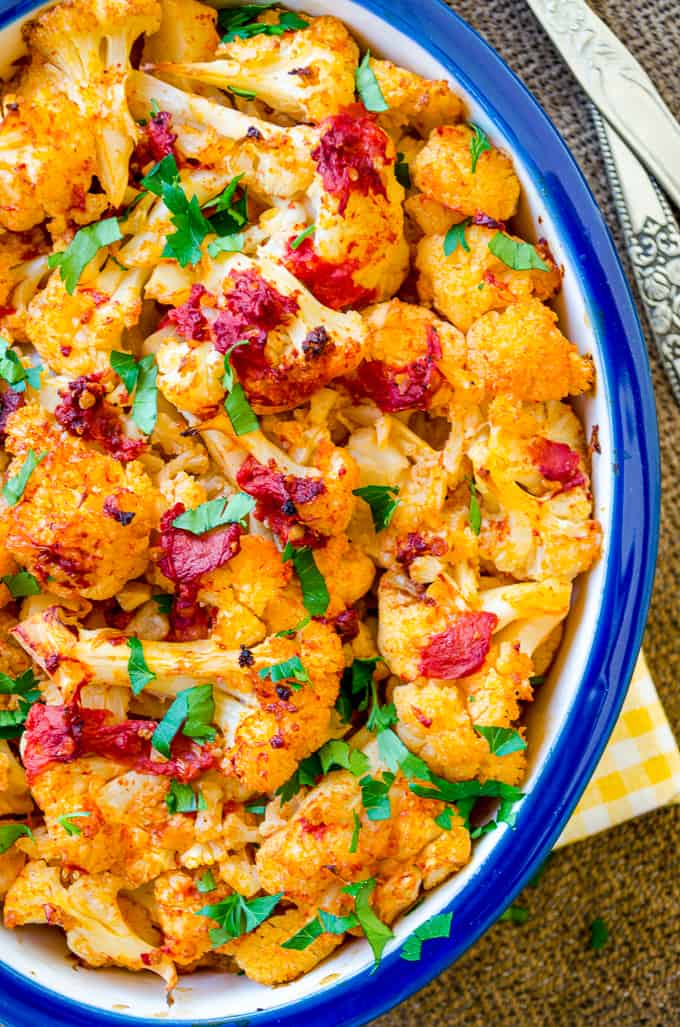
(639, 770)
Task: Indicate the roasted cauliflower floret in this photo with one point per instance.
(64, 526)
(186, 936)
(309, 854)
(274, 161)
(415, 101)
(531, 472)
(446, 171)
(187, 33)
(409, 358)
(263, 959)
(47, 152)
(294, 344)
(14, 793)
(88, 47)
(308, 74)
(521, 351)
(357, 253)
(470, 282)
(75, 334)
(89, 913)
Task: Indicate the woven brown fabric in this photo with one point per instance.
(542, 973)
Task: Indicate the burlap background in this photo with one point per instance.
(543, 973)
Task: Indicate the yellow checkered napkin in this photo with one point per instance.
(639, 770)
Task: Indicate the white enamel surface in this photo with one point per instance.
(41, 954)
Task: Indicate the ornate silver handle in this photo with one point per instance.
(653, 240)
(617, 84)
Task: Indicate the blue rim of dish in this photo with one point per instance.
(628, 578)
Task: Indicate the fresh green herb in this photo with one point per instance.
(309, 769)
(599, 934)
(181, 798)
(231, 211)
(226, 244)
(237, 916)
(239, 23)
(299, 239)
(454, 791)
(356, 687)
(438, 926)
(246, 94)
(257, 808)
(139, 377)
(164, 603)
(381, 717)
(14, 372)
(25, 688)
(314, 591)
(138, 670)
(215, 513)
(377, 933)
(375, 796)
(239, 410)
(515, 914)
(206, 882)
(475, 514)
(478, 144)
(126, 368)
(289, 632)
(520, 256)
(323, 923)
(354, 843)
(536, 680)
(154, 109)
(191, 226)
(291, 670)
(13, 489)
(455, 237)
(443, 819)
(9, 834)
(21, 584)
(66, 822)
(192, 710)
(394, 753)
(368, 88)
(402, 172)
(337, 753)
(83, 248)
(379, 498)
(501, 740)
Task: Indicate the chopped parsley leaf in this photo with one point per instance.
(206, 882)
(83, 248)
(438, 926)
(13, 489)
(181, 798)
(443, 819)
(139, 376)
(354, 843)
(338, 753)
(215, 513)
(21, 584)
(164, 603)
(192, 711)
(515, 914)
(377, 933)
(239, 410)
(368, 88)
(599, 934)
(232, 243)
(239, 22)
(289, 632)
(501, 740)
(138, 670)
(14, 372)
(475, 513)
(245, 94)
(314, 591)
(455, 237)
(299, 239)
(66, 822)
(478, 144)
(9, 834)
(520, 256)
(402, 172)
(237, 916)
(291, 670)
(323, 923)
(375, 796)
(379, 498)
(25, 687)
